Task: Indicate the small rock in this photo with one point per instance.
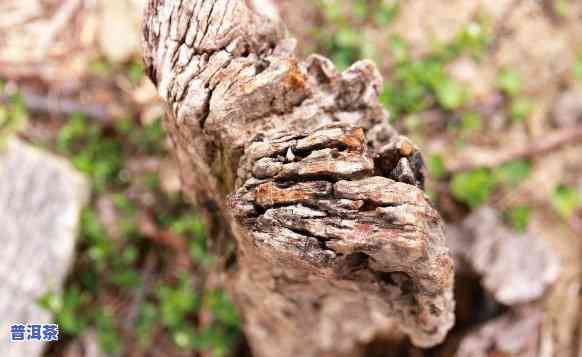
(41, 197)
(515, 268)
(567, 111)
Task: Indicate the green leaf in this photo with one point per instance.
(436, 166)
(470, 123)
(107, 332)
(184, 338)
(399, 49)
(519, 217)
(13, 117)
(509, 82)
(521, 108)
(177, 302)
(127, 278)
(222, 308)
(146, 322)
(578, 67)
(565, 200)
(360, 9)
(474, 187)
(450, 94)
(386, 14)
(136, 72)
(513, 173)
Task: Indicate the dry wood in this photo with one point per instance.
(474, 158)
(336, 242)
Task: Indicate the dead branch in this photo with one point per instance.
(474, 158)
(337, 244)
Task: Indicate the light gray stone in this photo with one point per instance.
(41, 197)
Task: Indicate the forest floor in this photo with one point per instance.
(490, 91)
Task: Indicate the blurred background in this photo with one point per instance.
(490, 90)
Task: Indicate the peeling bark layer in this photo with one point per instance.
(337, 243)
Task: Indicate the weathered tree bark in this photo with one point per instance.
(336, 242)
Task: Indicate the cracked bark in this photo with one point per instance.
(337, 244)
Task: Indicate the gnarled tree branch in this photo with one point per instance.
(336, 242)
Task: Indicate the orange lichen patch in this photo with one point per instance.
(354, 140)
(406, 149)
(268, 194)
(295, 78)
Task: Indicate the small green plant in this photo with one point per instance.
(566, 200)
(418, 84)
(342, 39)
(473, 39)
(512, 173)
(224, 332)
(436, 166)
(450, 94)
(93, 152)
(473, 187)
(136, 72)
(561, 7)
(521, 108)
(519, 217)
(342, 42)
(146, 323)
(107, 332)
(66, 307)
(13, 117)
(470, 123)
(509, 82)
(386, 13)
(177, 303)
(101, 67)
(578, 67)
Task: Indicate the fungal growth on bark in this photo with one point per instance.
(337, 244)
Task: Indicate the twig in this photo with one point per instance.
(142, 291)
(58, 22)
(540, 146)
(53, 105)
(501, 27)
